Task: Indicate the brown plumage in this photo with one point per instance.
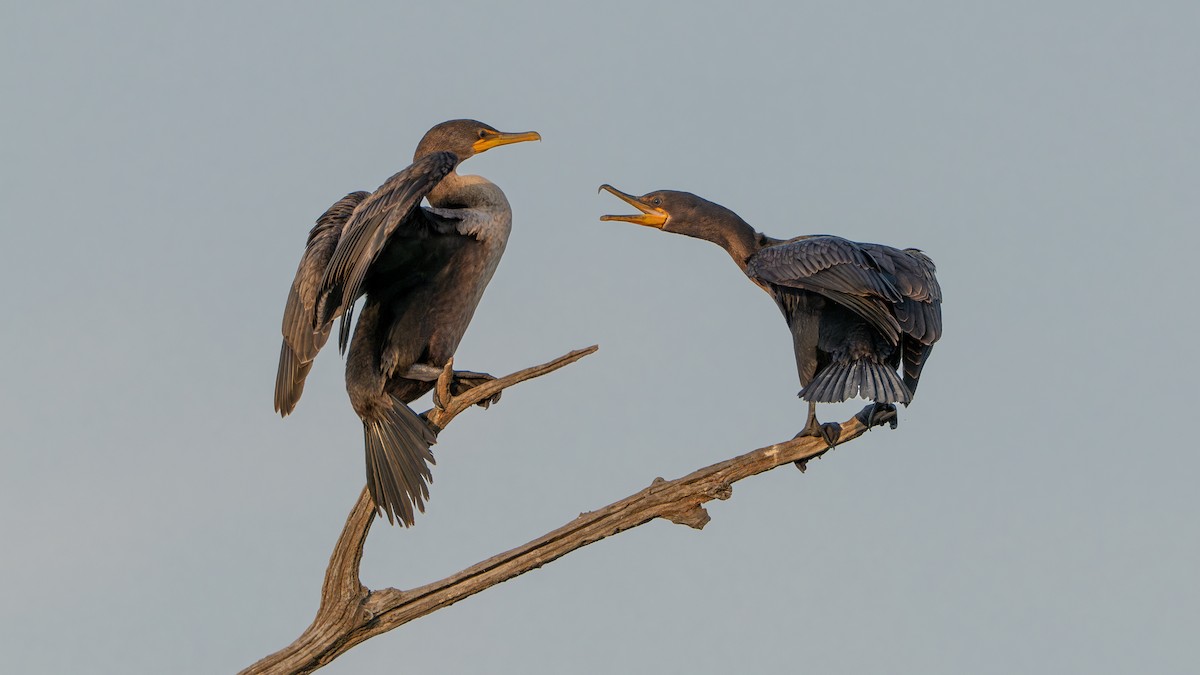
(423, 271)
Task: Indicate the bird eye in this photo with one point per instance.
(657, 201)
(482, 133)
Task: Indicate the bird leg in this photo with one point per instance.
(423, 372)
(830, 431)
(441, 390)
(878, 414)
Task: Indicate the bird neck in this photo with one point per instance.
(736, 236)
(467, 192)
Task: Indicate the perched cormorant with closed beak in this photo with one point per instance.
(423, 271)
(857, 312)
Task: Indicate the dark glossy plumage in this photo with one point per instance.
(857, 312)
(423, 271)
(874, 305)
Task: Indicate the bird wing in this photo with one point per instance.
(837, 269)
(380, 215)
(302, 337)
(919, 313)
(913, 273)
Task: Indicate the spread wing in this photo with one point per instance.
(920, 311)
(912, 273)
(837, 269)
(380, 215)
(302, 339)
(895, 290)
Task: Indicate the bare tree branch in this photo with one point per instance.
(350, 612)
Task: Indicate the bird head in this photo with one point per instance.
(468, 137)
(674, 211)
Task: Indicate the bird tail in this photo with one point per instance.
(398, 458)
(843, 380)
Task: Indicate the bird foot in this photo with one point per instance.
(464, 380)
(453, 383)
(829, 431)
(878, 414)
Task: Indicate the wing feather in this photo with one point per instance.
(835, 268)
(302, 337)
(368, 231)
(895, 290)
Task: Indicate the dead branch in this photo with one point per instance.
(351, 613)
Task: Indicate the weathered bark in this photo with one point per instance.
(350, 612)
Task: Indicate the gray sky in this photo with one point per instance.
(1034, 512)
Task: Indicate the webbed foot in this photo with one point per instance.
(829, 431)
(464, 380)
(878, 414)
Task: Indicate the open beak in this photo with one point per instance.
(650, 216)
(499, 138)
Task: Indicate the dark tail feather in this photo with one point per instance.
(841, 381)
(398, 459)
(289, 380)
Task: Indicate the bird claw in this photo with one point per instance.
(454, 383)
(829, 431)
(465, 380)
(878, 414)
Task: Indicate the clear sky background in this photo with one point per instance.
(1036, 510)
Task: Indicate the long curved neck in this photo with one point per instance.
(734, 235)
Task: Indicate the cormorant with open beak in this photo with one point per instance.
(857, 312)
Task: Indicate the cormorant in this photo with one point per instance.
(423, 270)
(856, 311)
